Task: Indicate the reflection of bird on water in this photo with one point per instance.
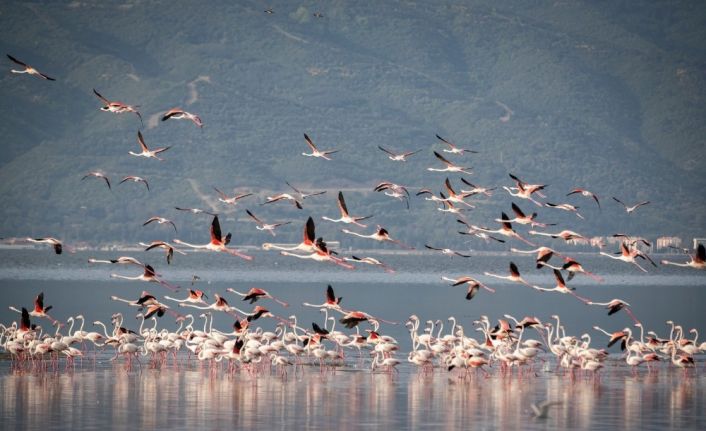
(541, 410)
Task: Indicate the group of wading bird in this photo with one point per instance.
(250, 348)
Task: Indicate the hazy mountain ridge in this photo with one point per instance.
(595, 103)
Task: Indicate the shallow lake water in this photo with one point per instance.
(103, 394)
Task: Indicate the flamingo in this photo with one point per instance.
(450, 167)
(170, 249)
(160, 220)
(28, 69)
(321, 253)
(195, 211)
(345, 217)
(565, 207)
(97, 174)
(454, 197)
(562, 288)
(394, 191)
(149, 275)
(697, 261)
(398, 157)
(525, 191)
(331, 302)
(303, 195)
(58, 246)
(628, 255)
(256, 293)
(587, 194)
(265, 226)
(449, 207)
(315, 151)
(122, 260)
(381, 234)
(307, 244)
(472, 230)
(614, 306)
(195, 297)
(447, 251)
(180, 114)
(220, 304)
(514, 276)
(472, 284)
(573, 267)
(117, 107)
(144, 300)
(283, 196)
(523, 219)
(630, 209)
(136, 180)
(566, 235)
(543, 254)
(370, 261)
(505, 229)
(453, 148)
(230, 200)
(218, 242)
(146, 152)
(477, 189)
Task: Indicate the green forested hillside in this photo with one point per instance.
(607, 96)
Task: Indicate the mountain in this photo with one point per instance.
(607, 96)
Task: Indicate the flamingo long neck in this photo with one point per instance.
(453, 327)
(71, 319)
(642, 335)
(696, 336)
(83, 322)
(210, 326)
(441, 328)
(105, 330)
(154, 328)
(519, 339)
(141, 323)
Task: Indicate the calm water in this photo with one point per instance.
(105, 395)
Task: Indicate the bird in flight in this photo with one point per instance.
(398, 157)
(453, 148)
(58, 246)
(450, 167)
(146, 152)
(269, 227)
(195, 211)
(218, 242)
(160, 220)
(585, 193)
(180, 114)
(698, 260)
(117, 107)
(303, 195)
(315, 151)
(230, 200)
(135, 179)
(97, 175)
(28, 69)
(345, 217)
(630, 209)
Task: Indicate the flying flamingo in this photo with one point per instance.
(380, 234)
(149, 275)
(28, 69)
(398, 157)
(565, 207)
(628, 255)
(543, 254)
(195, 211)
(58, 247)
(220, 304)
(261, 225)
(303, 195)
(180, 114)
(566, 235)
(136, 180)
(370, 261)
(477, 189)
(117, 107)
(525, 191)
(146, 152)
(457, 198)
(195, 297)
(345, 217)
(450, 167)
(449, 207)
(472, 230)
(472, 284)
(523, 219)
(122, 260)
(144, 300)
(697, 261)
(505, 229)
(218, 242)
(561, 287)
(256, 293)
(573, 267)
(160, 220)
(308, 240)
(630, 209)
(585, 193)
(169, 249)
(321, 253)
(230, 200)
(514, 276)
(453, 148)
(97, 175)
(39, 309)
(283, 196)
(614, 306)
(394, 191)
(332, 302)
(447, 251)
(315, 151)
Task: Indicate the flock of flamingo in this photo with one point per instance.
(511, 343)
